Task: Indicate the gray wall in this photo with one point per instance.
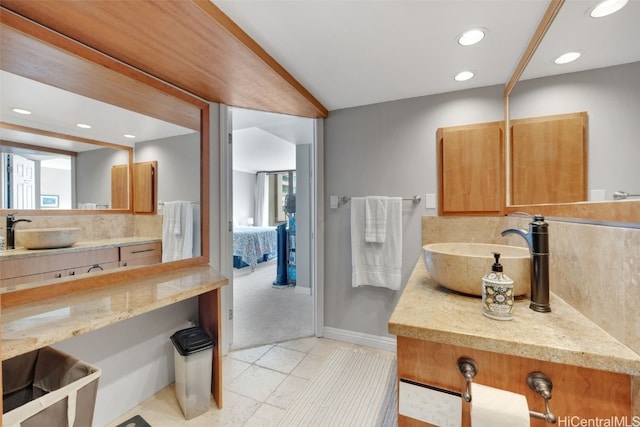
(93, 174)
(244, 187)
(178, 165)
(386, 149)
(611, 97)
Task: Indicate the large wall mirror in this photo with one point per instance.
(134, 118)
(603, 82)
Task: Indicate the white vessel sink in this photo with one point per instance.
(47, 238)
(461, 266)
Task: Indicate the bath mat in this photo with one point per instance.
(136, 421)
(353, 387)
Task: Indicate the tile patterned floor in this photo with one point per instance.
(259, 385)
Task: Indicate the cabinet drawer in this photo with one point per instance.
(135, 262)
(147, 250)
(52, 263)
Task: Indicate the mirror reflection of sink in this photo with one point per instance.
(461, 266)
(47, 238)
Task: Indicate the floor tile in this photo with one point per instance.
(303, 344)
(265, 416)
(287, 392)
(257, 383)
(308, 367)
(250, 355)
(325, 347)
(237, 410)
(281, 359)
(231, 368)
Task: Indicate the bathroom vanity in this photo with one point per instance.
(23, 266)
(593, 375)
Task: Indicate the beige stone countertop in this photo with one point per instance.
(21, 252)
(35, 325)
(430, 312)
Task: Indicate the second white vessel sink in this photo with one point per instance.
(461, 266)
(47, 238)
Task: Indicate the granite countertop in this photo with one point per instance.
(21, 252)
(430, 312)
(35, 325)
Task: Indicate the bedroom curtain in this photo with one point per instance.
(261, 208)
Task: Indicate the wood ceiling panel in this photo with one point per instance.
(42, 55)
(190, 44)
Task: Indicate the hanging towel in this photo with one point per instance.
(376, 264)
(172, 217)
(177, 231)
(375, 219)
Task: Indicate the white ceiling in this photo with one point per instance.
(356, 52)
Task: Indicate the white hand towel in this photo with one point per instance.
(177, 246)
(172, 215)
(376, 264)
(492, 407)
(375, 222)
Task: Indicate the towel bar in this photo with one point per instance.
(414, 199)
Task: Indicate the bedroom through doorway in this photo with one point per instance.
(272, 286)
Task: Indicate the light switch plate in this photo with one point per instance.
(333, 202)
(430, 201)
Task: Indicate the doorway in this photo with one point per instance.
(272, 295)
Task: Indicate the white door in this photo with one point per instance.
(314, 232)
(22, 183)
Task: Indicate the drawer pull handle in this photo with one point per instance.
(95, 267)
(142, 251)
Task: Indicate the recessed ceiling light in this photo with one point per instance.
(21, 111)
(566, 58)
(128, 135)
(83, 126)
(471, 37)
(463, 76)
(607, 7)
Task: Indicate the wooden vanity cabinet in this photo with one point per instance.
(471, 169)
(56, 266)
(144, 254)
(577, 391)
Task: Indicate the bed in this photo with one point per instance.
(252, 245)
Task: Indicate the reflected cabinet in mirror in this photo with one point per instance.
(88, 142)
(604, 83)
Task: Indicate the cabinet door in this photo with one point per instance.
(549, 159)
(144, 187)
(120, 187)
(471, 170)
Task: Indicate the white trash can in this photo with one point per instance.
(193, 356)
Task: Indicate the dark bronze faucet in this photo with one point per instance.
(11, 225)
(538, 240)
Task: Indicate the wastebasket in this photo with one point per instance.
(193, 356)
(47, 387)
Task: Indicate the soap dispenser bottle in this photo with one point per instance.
(497, 293)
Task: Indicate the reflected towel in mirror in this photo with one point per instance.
(177, 231)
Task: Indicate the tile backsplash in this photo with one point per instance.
(96, 227)
(594, 268)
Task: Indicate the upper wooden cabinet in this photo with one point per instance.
(145, 187)
(549, 159)
(471, 169)
(547, 163)
(120, 187)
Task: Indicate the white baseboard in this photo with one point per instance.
(360, 338)
(303, 290)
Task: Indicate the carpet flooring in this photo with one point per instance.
(265, 315)
(353, 387)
